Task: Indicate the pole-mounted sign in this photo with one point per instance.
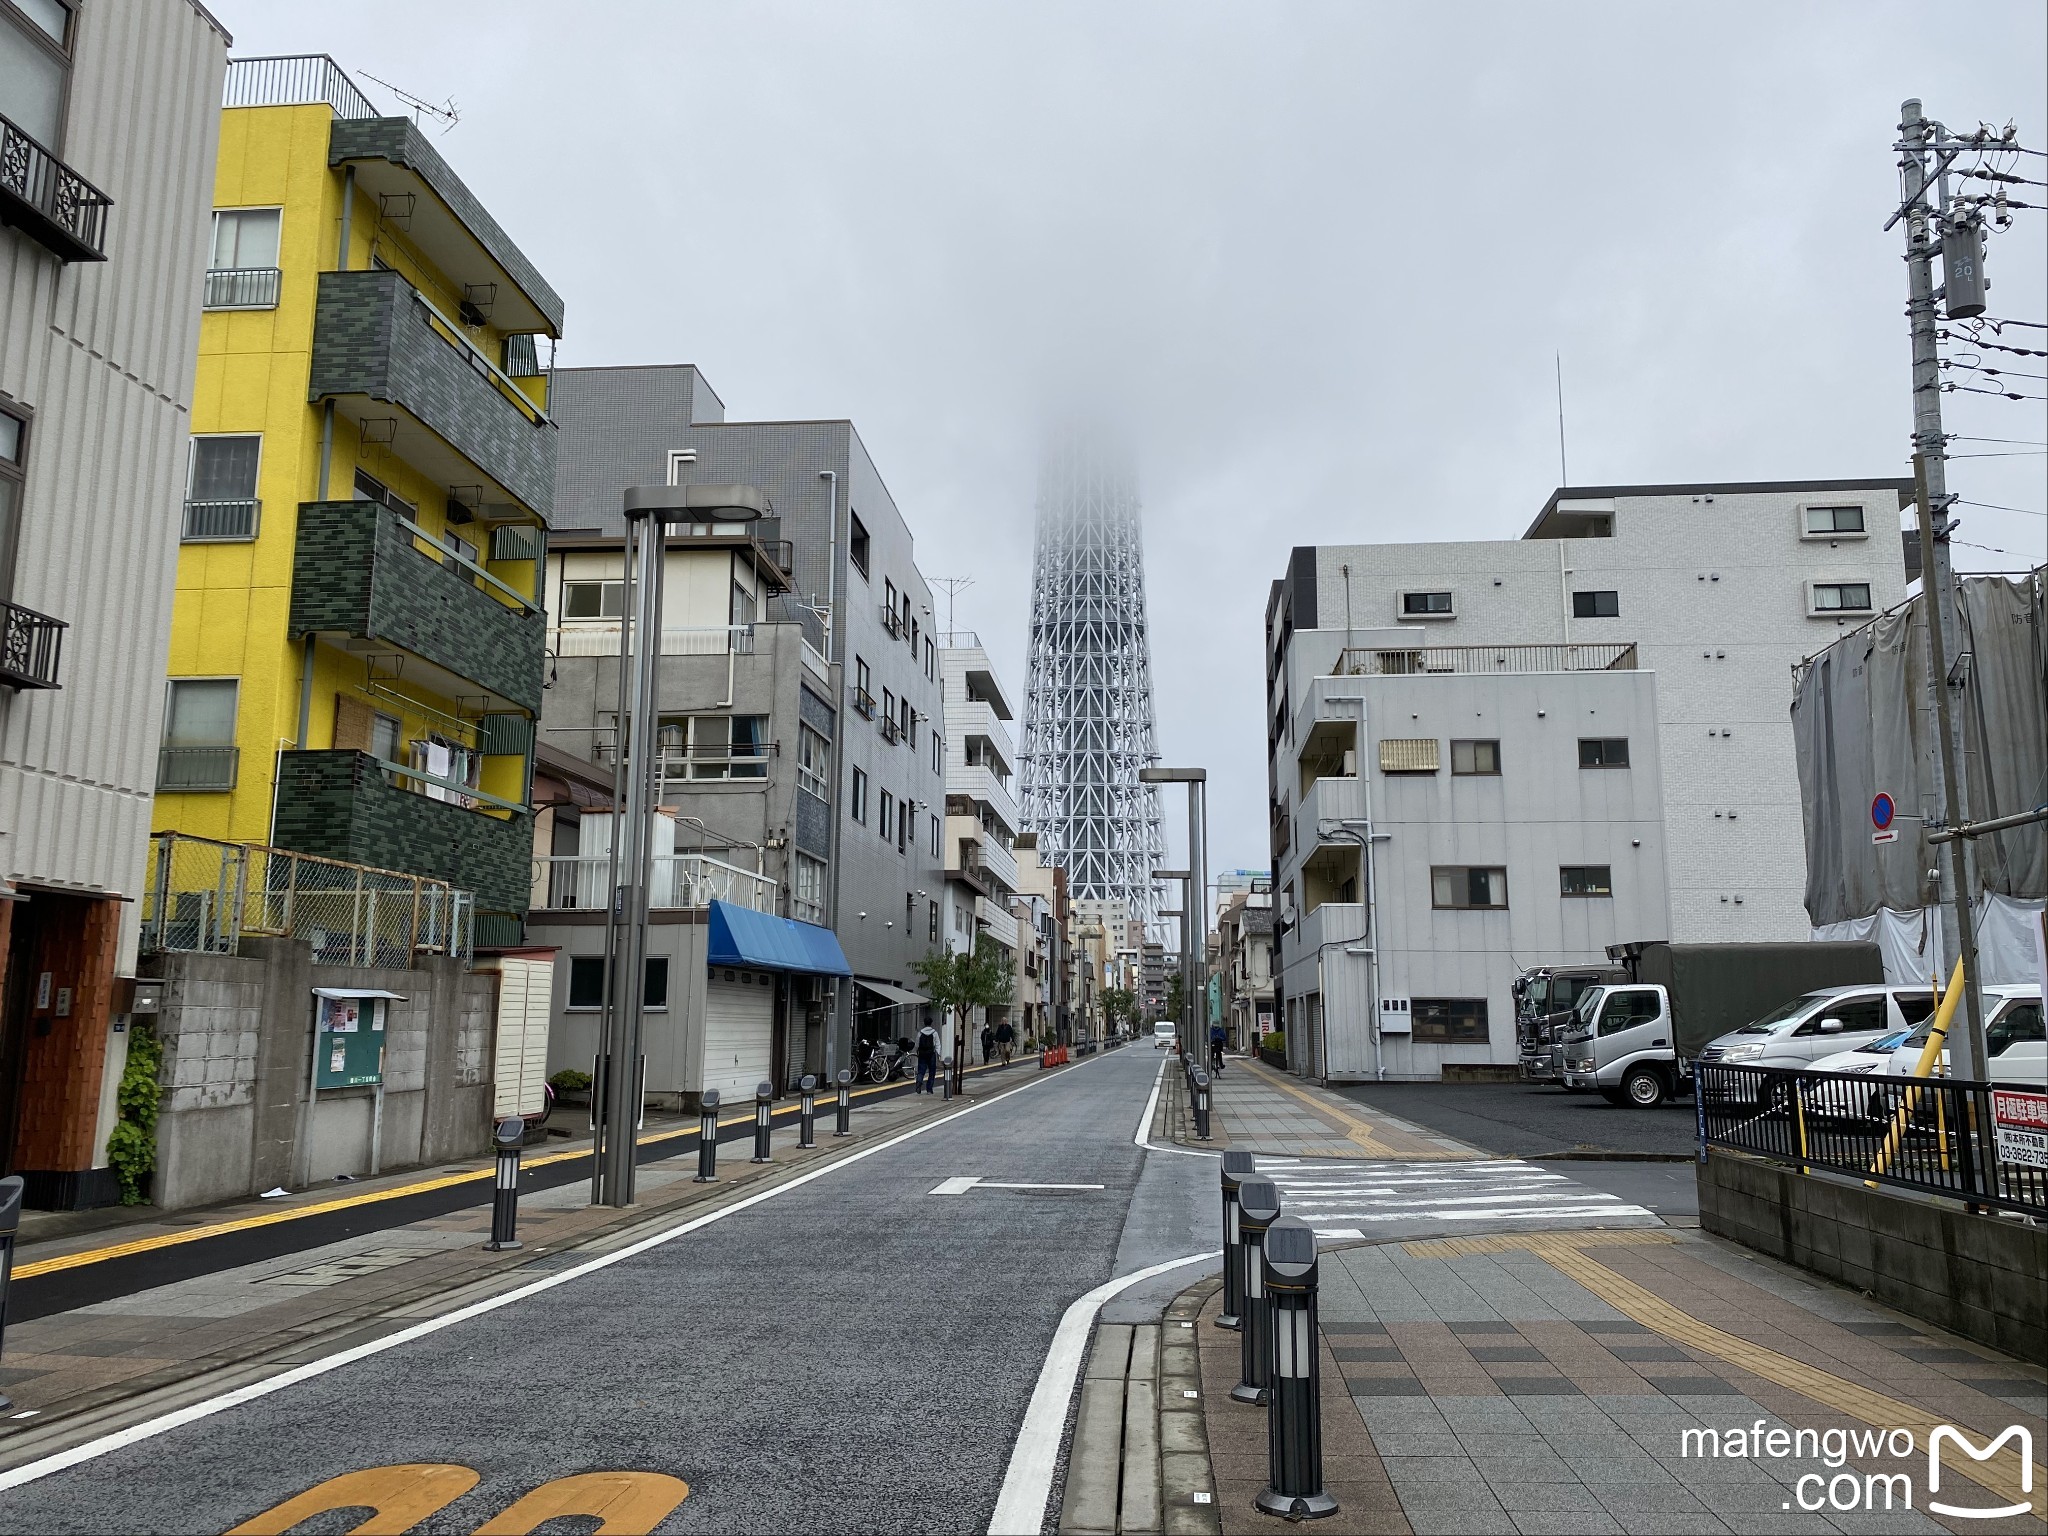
(1883, 811)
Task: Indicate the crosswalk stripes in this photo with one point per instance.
(1359, 1199)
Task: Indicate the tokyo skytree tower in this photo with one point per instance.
(1088, 705)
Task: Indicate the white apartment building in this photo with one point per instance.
(1662, 621)
(980, 830)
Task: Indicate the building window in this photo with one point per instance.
(586, 982)
(714, 746)
(13, 453)
(938, 753)
(1833, 522)
(220, 488)
(35, 41)
(906, 825)
(1596, 605)
(369, 488)
(857, 543)
(808, 899)
(1475, 758)
(1448, 1020)
(1426, 605)
(885, 821)
(931, 665)
(1603, 751)
(909, 723)
(242, 268)
(1841, 597)
(863, 688)
(932, 927)
(593, 599)
(889, 706)
(813, 762)
(1585, 880)
(199, 734)
(1408, 755)
(742, 606)
(1461, 886)
(387, 737)
(935, 825)
(857, 807)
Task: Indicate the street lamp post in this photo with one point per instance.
(637, 780)
(1194, 926)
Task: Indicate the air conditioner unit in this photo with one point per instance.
(1351, 764)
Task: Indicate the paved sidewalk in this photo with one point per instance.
(1252, 1106)
(87, 1360)
(1548, 1381)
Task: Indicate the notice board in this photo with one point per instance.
(348, 1042)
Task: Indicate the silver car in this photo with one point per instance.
(1821, 1023)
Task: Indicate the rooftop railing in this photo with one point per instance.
(1360, 661)
(292, 80)
(581, 883)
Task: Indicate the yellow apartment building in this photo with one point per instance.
(358, 643)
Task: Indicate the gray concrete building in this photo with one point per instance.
(109, 116)
(803, 745)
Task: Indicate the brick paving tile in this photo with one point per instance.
(1329, 1327)
(1497, 1352)
(1353, 1352)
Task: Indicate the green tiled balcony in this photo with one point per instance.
(359, 571)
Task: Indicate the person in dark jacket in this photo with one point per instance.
(988, 1044)
(1005, 1038)
(927, 1059)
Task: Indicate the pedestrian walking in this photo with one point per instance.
(1006, 1037)
(988, 1044)
(927, 1060)
(1217, 1040)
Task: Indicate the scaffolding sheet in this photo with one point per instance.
(1863, 723)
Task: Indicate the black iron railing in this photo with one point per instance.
(31, 646)
(186, 768)
(243, 288)
(1934, 1134)
(54, 203)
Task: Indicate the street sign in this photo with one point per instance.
(1882, 810)
(2019, 1124)
(1891, 836)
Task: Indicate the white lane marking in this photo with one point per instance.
(1442, 1202)
(1142, 1139)
(960, 1186)
(1503, 1213)
(1027, 1482)
(149, 1429)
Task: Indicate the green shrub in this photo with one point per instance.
(569, 1080)
(131, 1145)
(1275, 1040)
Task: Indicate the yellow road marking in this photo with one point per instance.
(1360, 1131)
(398, 1498)
(1567, 1254)
(627, 1503)
(372, 1197)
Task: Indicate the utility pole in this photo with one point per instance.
(1948, 666)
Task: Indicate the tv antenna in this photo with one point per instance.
(954, 586)
(446, 111)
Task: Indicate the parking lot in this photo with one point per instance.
(1534, 1120)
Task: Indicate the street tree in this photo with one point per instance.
(1119, 1006)
(959, 981)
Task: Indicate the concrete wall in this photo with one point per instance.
(237, 1035)
(1979, 1276)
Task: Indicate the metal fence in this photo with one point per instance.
(1934, 1135)
(204, 896)
(579, 882)
(286, 80)
(242, 288)
(1359, 661)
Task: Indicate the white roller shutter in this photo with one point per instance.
(525, 1002)
(739, 1033)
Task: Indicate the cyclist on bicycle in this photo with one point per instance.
(1216, 1042)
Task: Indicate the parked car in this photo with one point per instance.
(1801, 1031)
(1864, 1058)
(2014, 1037)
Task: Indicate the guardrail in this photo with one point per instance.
(1934, 1135)
(285, 80)
(580, 882)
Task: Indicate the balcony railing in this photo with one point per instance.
(602, 639)
(31, 646)
(1433, 659)
(243, 288)
(891, 731)
(197, 768)
(580, 883)
(221, 521)
(49, 200)
(291, 80)
(863, 703)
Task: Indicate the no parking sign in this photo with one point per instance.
(1882, 813)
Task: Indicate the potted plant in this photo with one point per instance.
(571, 1086)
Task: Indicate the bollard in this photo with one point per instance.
(764, 1098)
(807, 1112)
(1294, 1405)
(842, 1124)
(1200, 1098)
(505, 1198)
(945, 1077)
(707, 1137)
(1237, 1167)
(10, 1222)
(1258, 1207)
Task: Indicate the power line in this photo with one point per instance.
(1995, 507)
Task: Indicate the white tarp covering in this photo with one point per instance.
(2007, 950)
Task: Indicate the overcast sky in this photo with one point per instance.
(1320, 255)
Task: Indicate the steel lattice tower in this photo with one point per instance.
(1088, 705)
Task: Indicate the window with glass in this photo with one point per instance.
(387, 737)
(714, 746)
(242, 270)
(813, 762)
(1841, 597)
(1448, 1020)
(808, 897)
(1475, 758)
(857, 799)
(857, 543)
(1834, 520)
(220, 488)
(1603, 751)
(1426, 605)
(370, 488)
(1585, 880)
(1627, 1007)
(198, 751)
(1596, 605)
(885, 818)
(593, 600)
(586, 982)
(742, 605)
(906, 824)
(13, 456)
(1462, 886)
(35, 68)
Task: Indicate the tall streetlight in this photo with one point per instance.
(1194, 927)
(636, 791)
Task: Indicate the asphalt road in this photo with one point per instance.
(855, 1353)
(1534, 1120)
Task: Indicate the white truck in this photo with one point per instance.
(1618, 1042)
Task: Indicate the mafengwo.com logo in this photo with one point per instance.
(1843, 1490)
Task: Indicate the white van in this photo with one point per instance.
(1815, 1024)
(2014, 1037)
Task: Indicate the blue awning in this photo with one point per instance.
(742, 936)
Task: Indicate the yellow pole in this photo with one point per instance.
(1930, 1053)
